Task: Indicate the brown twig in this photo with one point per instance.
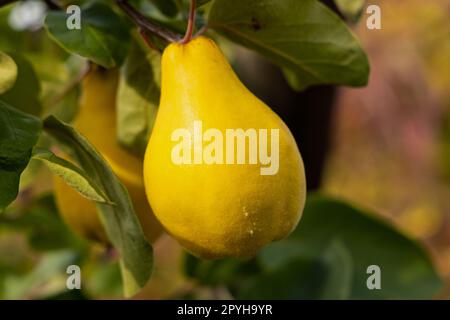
(147, 24)
(191, 24)
(147, 40)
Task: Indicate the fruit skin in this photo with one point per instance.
(218, 211)
(96, 120)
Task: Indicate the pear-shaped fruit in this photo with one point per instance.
(96, 120)
(213, 204)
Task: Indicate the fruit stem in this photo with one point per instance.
(191, 24)
(146, 24)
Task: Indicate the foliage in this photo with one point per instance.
(325, 258)
(137, 98)
(72, 175)
(102, 38)
(305, 37)
(8, 72)
(119, 218)
(352, 9)
(26, 80)
(19, 134)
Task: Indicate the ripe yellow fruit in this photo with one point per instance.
(218, 210)
(96, 120)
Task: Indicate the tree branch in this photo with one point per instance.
(147, 24)
(147, 40)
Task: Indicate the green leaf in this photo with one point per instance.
(137, 98)
(327, 257)
(103, 37)
(303, 36)
(72, 175)
(18, 135)
(62, 94)
(66, 107)
(324, 276)
(337, 284)
(294, 81)
(8, 72)
(29, 176)
(231, 272)
(406, 269)
(121, 222)
(26, 82)
(104, 280)
(351, 9)
(167, 7)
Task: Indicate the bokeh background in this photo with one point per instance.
(385, 147)
(390, 143)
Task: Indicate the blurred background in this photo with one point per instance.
(390, 146)
(385, 147)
